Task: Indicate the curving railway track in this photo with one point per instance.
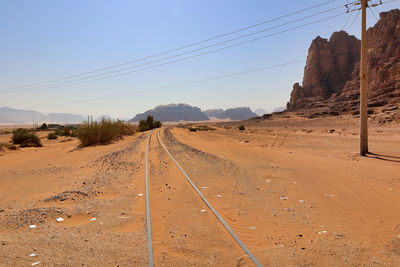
(184, 188)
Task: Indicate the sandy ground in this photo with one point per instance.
(294, 190)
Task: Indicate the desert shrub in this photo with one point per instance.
(157, 124)
(148, 124)
(143, 126)
(201, 128)
(4, 146)
(242, 128)
(24, 138)
(66, 131)
(52, 136)
(103, 132)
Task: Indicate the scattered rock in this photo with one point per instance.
(67, 195)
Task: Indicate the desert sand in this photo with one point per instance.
(293, 189)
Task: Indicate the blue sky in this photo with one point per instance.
(44, 40)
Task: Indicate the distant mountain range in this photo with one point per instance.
(185, 112)
(173, 112)
(10, 115)
(260, 111)
(240, 113)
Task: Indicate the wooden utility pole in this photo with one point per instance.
(363, 82)
(354, 6)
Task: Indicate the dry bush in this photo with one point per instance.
(52, 136)
(24, 138)
(4, 146)
(148, 124)
(103, 132)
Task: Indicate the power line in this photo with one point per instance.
(347, 20)
(174, 85)
(68, 83)
(188, 57)
(358, 12)
(373, 13)
(184, 53)
(175, 49)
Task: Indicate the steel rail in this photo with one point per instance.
(150, 255)
(227, 227)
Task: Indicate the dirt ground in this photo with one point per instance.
(293, 189)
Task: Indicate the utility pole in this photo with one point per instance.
(353, 6)
(363, 82)
(33, 120)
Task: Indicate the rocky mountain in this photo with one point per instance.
(10, 115)
(173, 112)
(213, 113)
(260, 111)
(331, 75)
(240, 113)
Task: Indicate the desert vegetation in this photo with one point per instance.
(242, 128)
(52, 136)
(103, 132)
(148, 124)
(66, 131)
(195, 128)
(4, 146)
(25, 138)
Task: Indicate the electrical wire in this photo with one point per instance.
(373, 13)
(181, 54)
(184, 58)
(173, 85)
(175, 49)
(351, 25)
(347, 21)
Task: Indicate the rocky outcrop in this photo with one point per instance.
(173, 112)
(331, 75)
(240, 113)
(329, 66)
(213, 113)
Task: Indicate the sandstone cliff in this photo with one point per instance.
(331, 75)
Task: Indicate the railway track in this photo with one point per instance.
(198, 194)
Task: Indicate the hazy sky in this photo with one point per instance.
(46, 40)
